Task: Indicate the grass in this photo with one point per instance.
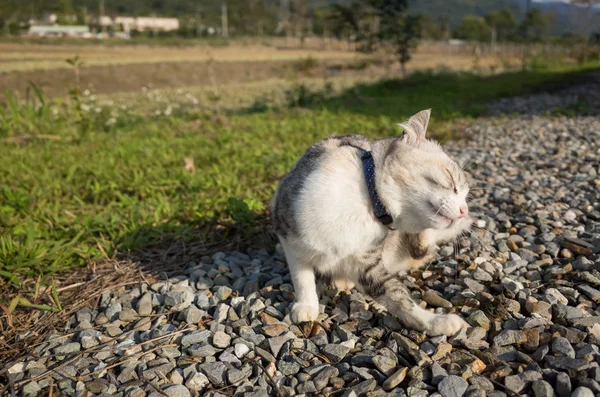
(81, 178)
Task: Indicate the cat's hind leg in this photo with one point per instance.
(306, 306)
(389, 291)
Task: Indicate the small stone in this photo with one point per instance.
(235, 375)
(169, 352)
(222, 292)
(221, 340)
(161, 370)
(566, 363)
(563, 384)
(179, 300)
(31, 389)
(221, 313)
(474, 285)
(306, 388)
(395, 379)
(288, 367)
(177, 391)
(384, 364)
(202, 350)
(514, 383)
(570, 216)
(143, 324)
(335, 352)
(215, 372)
(582, 263)
(193, 315)
(453, 386)
(241, 350)
(277, 343)
(67, 348)
(481, 382)
(577, 246)
(197, 381)
(96, 386)
(562, 347)
(435, 300)
(273, 330)
(128, 315)
(582, 392)
(543, 309)
(322, 378)
(479, 319)
(509, 337)
(144, 304)
(590, 292)
(265, 354)
(112, 311)
(437, 373)
(541, 388)
(364, 387)
(442, 351)
(195, 338)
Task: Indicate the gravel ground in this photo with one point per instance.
(527, 280)
(578, 98)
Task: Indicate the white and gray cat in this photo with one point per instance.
(337, 218)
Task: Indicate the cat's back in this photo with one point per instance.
(332, 156)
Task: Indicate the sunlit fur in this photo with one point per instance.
(324, 218)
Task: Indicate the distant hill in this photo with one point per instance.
(567, 17)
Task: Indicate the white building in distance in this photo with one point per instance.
(59, 31)
(141, 24)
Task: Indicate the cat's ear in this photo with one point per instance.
(416, 127)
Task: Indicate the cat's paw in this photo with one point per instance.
(343, 285)
(445, 324)
(302, 312)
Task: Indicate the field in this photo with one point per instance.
(119, 68)
(93, 176)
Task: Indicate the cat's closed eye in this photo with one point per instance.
(435, 182)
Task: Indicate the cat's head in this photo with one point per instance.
(430, 188)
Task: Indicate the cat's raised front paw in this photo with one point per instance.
(446, 324)
(302, 312)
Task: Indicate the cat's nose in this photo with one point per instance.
(464, 210)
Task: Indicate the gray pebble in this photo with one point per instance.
(452, 386)
(582, 392)
(177, 391)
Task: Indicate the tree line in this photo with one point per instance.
(366, 22)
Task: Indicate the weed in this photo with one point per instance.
(306, 65)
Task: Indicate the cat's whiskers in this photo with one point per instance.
(465, 166)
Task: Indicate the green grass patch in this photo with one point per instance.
(77, 179)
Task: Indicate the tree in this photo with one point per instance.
(585, 19)
(535, 25)
(473, 28)
(503, 24)
(444, 24)
(428, 29)
(374, 21)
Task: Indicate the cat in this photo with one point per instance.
(360, 212)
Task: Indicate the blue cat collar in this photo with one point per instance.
(379, 208)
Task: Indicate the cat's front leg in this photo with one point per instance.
(389, 291)
(306, 307)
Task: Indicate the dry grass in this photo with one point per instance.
(129, 68)
(27, 57)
